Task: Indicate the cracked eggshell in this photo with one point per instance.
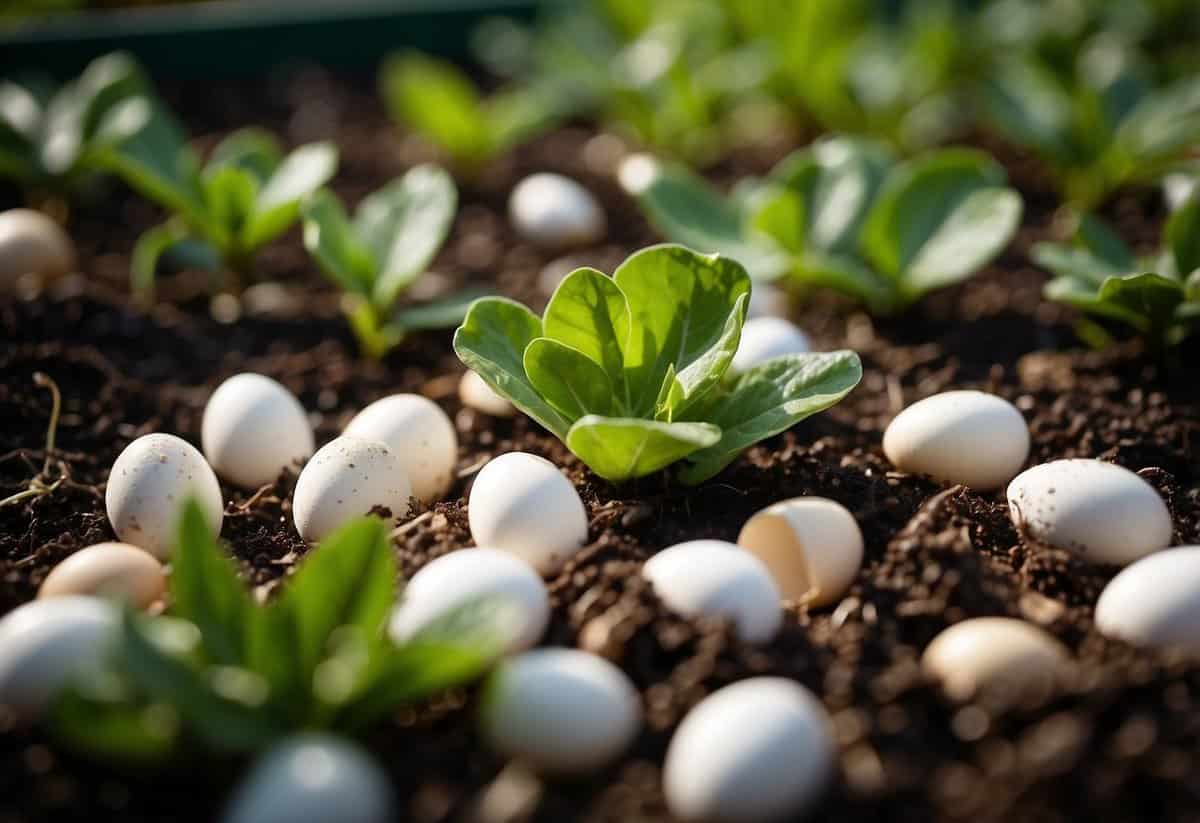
(522, 504)
(148, 485)
(759, 750)
(968, 437)
(347, 478)
(717, 579)
(1155, 602)
(555, 212)
(812, 547)
(317, 778)
(475, 393)
(419, 433)
(1100, 511)
(765, 338)
(562, 711)
(113, 570)
(32, 243)
(45, 643)
(454, 580)
(253, 427)
(1001, 656)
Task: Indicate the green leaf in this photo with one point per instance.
(229, 194)
(589, 314)
(1028, 105)
(1151, 297)
(251, 149)
(278, 203)
(404, 224)
(332, 242)
(845, 274)
(1073, 263)
(115, 726)
(1094, 235)
(1163, 125)
(620, 448)
(492, 341)
(436, 98)
(1182, 235)
(567, 379)
(769, 399)
(150, 246)
(206, 590)
(779, 215)
(443, 313)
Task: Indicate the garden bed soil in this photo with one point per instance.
(1119, 740)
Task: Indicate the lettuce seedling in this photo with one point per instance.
(377, 256)
(842, 215)
(224, 672)
(632, 371)
(1159, 296)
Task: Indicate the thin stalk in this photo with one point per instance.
(41, 483)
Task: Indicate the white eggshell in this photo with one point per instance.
(1155, 602)
(454, 580)
(115, 570)
(765, 338)
(476, 394)
(522, 504)
(419, 433)
(637, 172)
(555, 212)
(717, 579)
(968, 437)
(317, 778)
(768, 301)
(46, 643)
(252, 428)
(346, 478)
(812, 547)
(562, 711)
(148, 485)
(759, 750)
(32, 243)
(1101, 511)
(1000, 655)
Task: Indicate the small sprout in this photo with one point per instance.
(347, 478)
(555, 212)
(615, 374)
(997, 659)
(32, 244)
(374, 258)
(113, 570)
(54, 471)
(419, 432)
(1153, 603)
(252, 429)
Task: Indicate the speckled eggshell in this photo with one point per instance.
(347, 478)
(758, 751)
(253, 427)
(148, 485)
(968, 437)
(114, 570)
(555, 212)
(1001, 655)
(1155, 602)
(1100, 511)
(765, 338)
(32, 243)
(419, 433)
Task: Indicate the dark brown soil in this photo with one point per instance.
(1119, 741)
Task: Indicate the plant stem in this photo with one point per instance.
(41, 484)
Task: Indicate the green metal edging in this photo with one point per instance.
(228, 37)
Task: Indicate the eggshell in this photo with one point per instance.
(419, 433)
(476, 394)
(522, 504)
(252, 428)
(1155, 602)
(562, 711)
(46, 643)
(32, 243)
(968, 437)
(759, 750)
(765, 338)
(637, 172)
(1101, 511)
(454, 580)
(148, 486)
(718, 579)
(115, 570)
(316, 778)
(347, 478)
(812, 547)
(555, 212)
(1002, 656)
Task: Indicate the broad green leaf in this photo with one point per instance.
(697, 379)
(1101, 241)
(621, 448)
(567, 379)
(772, 398)
(1182, 235)
(20, 111)
(278, 202)
(443, 313)
(589, 314)
(779, 216)
(332, 242)
(206, 590)
(679, 302)
(150, 246)
(404, 224)
(437, 99)
(492, 341)
(229, 193)
(1028, 104)
(274, 651)
(1151, 297)
(514, 115)
(1086, 297)
(846, 274)
(253, 149)
(1074, 263)
(1164, 124)
(978, 228)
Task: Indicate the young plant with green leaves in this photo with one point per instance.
(224, 673)
(376, 256)
(843, 215)
(246, 195)
(1158, 296)
(632, 372)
